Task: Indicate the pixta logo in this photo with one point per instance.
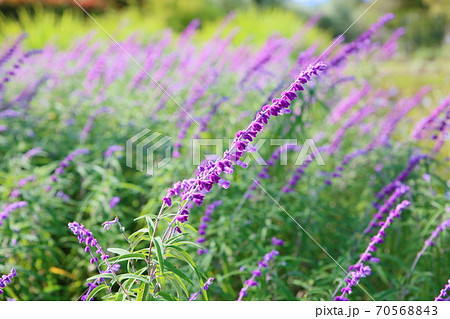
(148, 151)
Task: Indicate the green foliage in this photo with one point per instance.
(155, 266)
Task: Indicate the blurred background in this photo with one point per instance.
(426, 21)
(421, 58)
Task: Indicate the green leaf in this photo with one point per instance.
(159, 246)
(167, 296)
(135, 256)
(176, 271)
(142, 291)
(118, 251)
(96, 290)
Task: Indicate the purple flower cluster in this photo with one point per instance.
(359, 270)
(258, 272)
(20, 184)
(64, 197)
(390, 46)
(16, 67)
(107, 225)
(443, 292)
(114, 201)
(209, 174)
(354, 119)
(205, 120)
(112, 149)
(347, 159)
(6, 279)
(422, 129)
(400, 190)
(429, 242)
(388, 189)
(32, 152)
(204, 288)
(264, 174)
(9, 208)
(86, 237)
(66, 162)
(90, 122)
(346, 104)
(9, 114)
(443, 226)
(299, 172)
(204, 224)
(10, 52)
(98, 281)
(399, 112)
(361, 42)
(295, 178)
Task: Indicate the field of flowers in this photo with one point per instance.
(329, 186)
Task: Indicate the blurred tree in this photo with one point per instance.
(337, 15)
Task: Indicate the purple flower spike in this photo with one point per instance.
(209, 174)
(359, 270)
(258, 272)
(277, 242)
(66, 162)
(443, 292)
(112, 149)
(9, 208)
(204, 225)
(6, 279)
(114, 201)
(86, 237)
(107, 225)
(204, 288)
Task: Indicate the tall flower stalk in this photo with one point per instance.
(264, 263)
(430, 242)
(359, 270)
(6, 279)
(86, 237)
(209, 174)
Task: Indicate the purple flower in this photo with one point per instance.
(399, 191)
(388, 189)
(98, 281)
(424, 127)
(264, 174)
(86, 237)
(359, 270)
(6, 279)
(63, 196)
(26, 180)
(112, 149)
(90, 122)
(9, 208)
(12, 72)
(257, 273)
(443, 292)
(277, 242)
(204, 225)
(204, 288)
(107, 225)
(361, 42)
(10, 52)
(346, 104)
(114, 201)
(208, 174)
(66, 162)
